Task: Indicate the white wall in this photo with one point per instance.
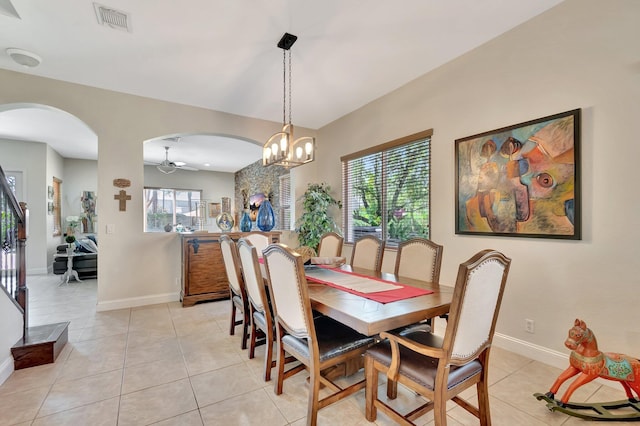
(581, 54)
(38, 164)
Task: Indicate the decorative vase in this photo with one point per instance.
(225, 220)
(245, 222)
(266, 220)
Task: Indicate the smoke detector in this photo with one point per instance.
(112, 18)
(24, 57)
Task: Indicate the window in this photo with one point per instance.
(170, 209)
(57, 208)
(386, 190)
(284, 214)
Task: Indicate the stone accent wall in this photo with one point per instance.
(256, 179)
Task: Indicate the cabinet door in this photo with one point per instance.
(206, 273)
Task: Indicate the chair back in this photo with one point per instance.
(419, 259)
(330, 245)
(231, 264)
(475, 306)
(288, 289)
(252, 274)
(260, 240)
(367, 253)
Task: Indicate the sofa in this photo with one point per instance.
(85, 264)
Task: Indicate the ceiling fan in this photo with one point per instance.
(167, 167)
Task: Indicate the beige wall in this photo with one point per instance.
(581, 54)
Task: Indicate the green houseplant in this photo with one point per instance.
(316, 219)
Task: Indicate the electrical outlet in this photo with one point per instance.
(529, 326)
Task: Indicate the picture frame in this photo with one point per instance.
(50, 207)
(50, 192)
(522, 180)
(214, 209)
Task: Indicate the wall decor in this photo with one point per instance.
(122, 199)
(89, 217)
(121, 183)
(50, 207)
(254, 204)
(214, 209)
(522, 180)
(50, 192)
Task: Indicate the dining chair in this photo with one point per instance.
(439, 368)
(318, 343)
(419, 259)
(260, 240)
(367, 253)
(236, 287)
(260, 308)
(330, 245)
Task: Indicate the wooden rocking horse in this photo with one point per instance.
(590, 363)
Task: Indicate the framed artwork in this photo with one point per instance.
(522, 180)
(50, 192)
(50, 207)
(214, 209)
(254, 204)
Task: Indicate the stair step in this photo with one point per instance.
(41, 345)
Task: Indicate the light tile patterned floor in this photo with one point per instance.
(169, 365)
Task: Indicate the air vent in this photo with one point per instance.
(113, 18)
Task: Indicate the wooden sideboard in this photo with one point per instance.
(204, 277)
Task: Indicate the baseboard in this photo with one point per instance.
(134, 302)
(6, 368)
(38, 271)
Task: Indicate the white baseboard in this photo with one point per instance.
(6, 368)
(134, 302)
(38, 271)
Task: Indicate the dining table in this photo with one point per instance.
(371, 317)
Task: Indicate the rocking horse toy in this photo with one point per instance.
(590, 363)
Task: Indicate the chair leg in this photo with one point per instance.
(268, 356)
(483, 403)
(232, 328)
(252, 340)
(245, 328)
(371, 389)
(280, 361)
(314, 396)
(439, 411)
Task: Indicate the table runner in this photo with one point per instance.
(400, 291)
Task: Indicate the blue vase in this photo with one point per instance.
(266, 220)
(245, 222)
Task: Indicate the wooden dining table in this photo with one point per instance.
(370, 317)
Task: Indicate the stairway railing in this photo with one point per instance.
(13, 238)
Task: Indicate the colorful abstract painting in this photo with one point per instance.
(521, 180)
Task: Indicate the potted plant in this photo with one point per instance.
(316, 219)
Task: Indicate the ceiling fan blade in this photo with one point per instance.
(191, 169)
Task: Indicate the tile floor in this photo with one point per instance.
(168, 365)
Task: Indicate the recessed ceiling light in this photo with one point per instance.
(24, 57)
(207, 164)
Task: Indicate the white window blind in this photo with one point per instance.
(284, 213)
(386, 190)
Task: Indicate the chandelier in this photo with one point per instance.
(282, 148)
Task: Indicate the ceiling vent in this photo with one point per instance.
(112, 18)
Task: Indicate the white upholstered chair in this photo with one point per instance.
(260, 240)
(239, 301)
(330, 245)
(318, 343)
(260, 309)
(419, 259)
(367, 253)
(440, 368)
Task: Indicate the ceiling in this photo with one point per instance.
(222, 55)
